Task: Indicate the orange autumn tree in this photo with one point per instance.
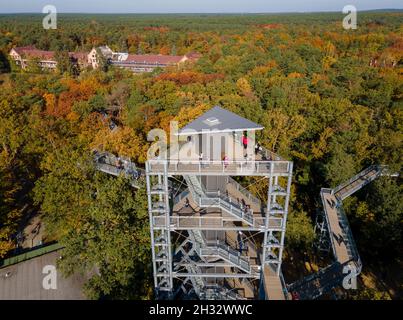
(77, 91)
(186, 77)
(50, 103)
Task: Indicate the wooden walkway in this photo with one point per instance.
(339, 243)
(272, 284)
(340, 234)
(357, 182)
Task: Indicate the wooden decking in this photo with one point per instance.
(357, 182)
(272, 285)
(244, 290)
(335, 231)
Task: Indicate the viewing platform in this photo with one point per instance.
(219, 168)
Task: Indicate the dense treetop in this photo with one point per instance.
(330, 100)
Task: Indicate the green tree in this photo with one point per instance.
(340, 167)
(64, 63)
(102, 222)
(4, 63)
(379, 219)
(299, 232)
(103, 63)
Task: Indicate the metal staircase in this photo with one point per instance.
(217, 292)
(226, 253)
(206, 199)
(213, 250)
(203, 290)
(198, 282)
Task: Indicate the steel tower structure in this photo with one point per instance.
(216, 240)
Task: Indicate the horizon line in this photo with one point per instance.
(212, 13)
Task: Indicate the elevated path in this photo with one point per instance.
(341, 238)
(274, 287)
(116, 166)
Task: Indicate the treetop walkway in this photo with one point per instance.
(116, 166)
(341, 238)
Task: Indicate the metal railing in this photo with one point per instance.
(110, 164)
(284, 286)
(343, 191)
(348, 234)
(213, 223)
(269, 155)
(247, 194)
(217, 248)
(207, 199)
(323, 190)
(217, 167)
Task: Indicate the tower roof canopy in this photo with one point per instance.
(218, 120)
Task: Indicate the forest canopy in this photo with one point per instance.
(314, 86)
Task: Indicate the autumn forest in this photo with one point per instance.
(329, 99)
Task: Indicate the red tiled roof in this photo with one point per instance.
(32, 52)
(78, 55)
(153, 59)
(21, 50)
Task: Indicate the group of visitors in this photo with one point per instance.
(331, 203)
(128, 167)
(244, 206)
(339, 238)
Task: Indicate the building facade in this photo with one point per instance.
(46, 60)
(135, 63)
(138, 63)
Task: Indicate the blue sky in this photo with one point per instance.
(180, 6)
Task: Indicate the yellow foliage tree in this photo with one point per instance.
(122, 141)
(281, 129)
(319, 148)
(244, 87)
